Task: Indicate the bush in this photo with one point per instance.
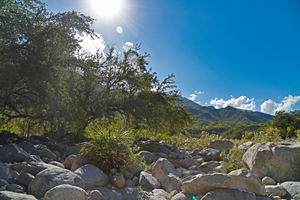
(107, 152)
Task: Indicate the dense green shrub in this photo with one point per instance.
(108, 151)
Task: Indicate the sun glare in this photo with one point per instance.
(107, 8)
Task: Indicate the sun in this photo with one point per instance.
(107, 8)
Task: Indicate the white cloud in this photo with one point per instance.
(198, 102)
(193, 97)
(91, 46)
(241, 102)
(271, 107)
(128, 45)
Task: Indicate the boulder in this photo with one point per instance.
(202, 183)
(7, 195)
(194, 152)
(46, 153)
(158, 148)
(95, 195)
(187, 162)
(268, 181)
(135, 169)
(223, 145)
(244, 179)
(51, 177)
(166, 174)
(182, 172)
(66, 192)
(147, 181)
(80, 160)
(28, 147)
(278, 160)
(58, 164)
(159, 194)
(118, 180)
(292, 188)
(92, 176)
(16, 188)
(246, 145)
(275, 190)
(8, 174)
(128, 175)
(3, 183)
(24, 179)
(129, 183)
(229, 194)
(13, 153)
(69, 161)
(35, 167)
(180, 196)
(210, 154)
(148, 156)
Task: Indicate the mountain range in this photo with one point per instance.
(227, 114)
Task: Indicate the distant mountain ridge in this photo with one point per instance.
(228, 114)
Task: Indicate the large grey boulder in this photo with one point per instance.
(292, 188)
(147, 181)
(278, 160)
(66, 192)
(13, 153)
(166, 174)
(8, 174)
(202, 183)
(244, 179)
(210, 154)
(49, 178)
(92, 176)
(223, 145)
(28, 147)
(229, 194)
(7, 195)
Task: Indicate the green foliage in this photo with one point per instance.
(108, 151)
(286, 123)
(234, 159)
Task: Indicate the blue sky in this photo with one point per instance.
(245, 54)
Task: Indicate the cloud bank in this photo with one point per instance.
(241, 102)
(271, 107)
